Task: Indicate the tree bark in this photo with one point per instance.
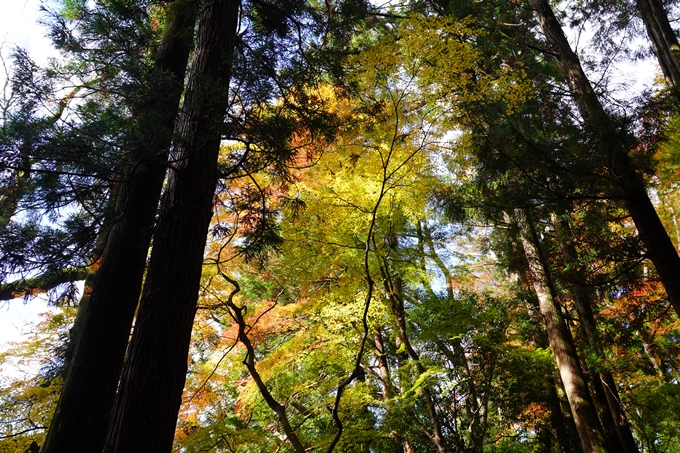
(383, 366)
(561, 418)
(563, 425)
(150, 392)
(83, 412)
(664, 42)
(561, 343)
(659, 246)
(605, 387)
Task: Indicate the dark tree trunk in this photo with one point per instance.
(660, 249)
(150, 392)
(608, 424)
(564, 427)
(561, 343)
(83, 412)
(664, 42)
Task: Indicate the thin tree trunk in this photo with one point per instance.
(660, 248)
(383, 365)
(561, 343)
(150, 392)
(385, 377)
(652, 356)
(83, 412)
(395, 295)
(608, 424)
(664, 42)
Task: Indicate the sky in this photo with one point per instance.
(19, 27)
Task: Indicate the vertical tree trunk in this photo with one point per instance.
(605, 387)
(150, 392)
(651, 354)
(664, 42)
(564, 426)
(561, 417)
(383, 365)
(608, 424)
(660, 249)
(83, 412)
(404, 444)
(561, 420)
(561, 343)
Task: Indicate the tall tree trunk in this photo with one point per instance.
(561, 343)
(608, 423)
(605, 387)
(83, 412)
(84, 303)
(150, 392)
(561, 418)
(651, 354)
(404, 444)
(563, 425)
(664, 42)
(660, 249)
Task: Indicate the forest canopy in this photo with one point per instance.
(419, 226)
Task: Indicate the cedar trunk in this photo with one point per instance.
(83, 412)
(660, 249)
(664, 41)
(560, 415)
(605, 387)
(561, 343)
(150, 392)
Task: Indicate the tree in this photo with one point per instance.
(379, 160)
(616, 143)
(92, 380)
(610, 407)
(561, 343)
(152, 382)
(27, 401)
